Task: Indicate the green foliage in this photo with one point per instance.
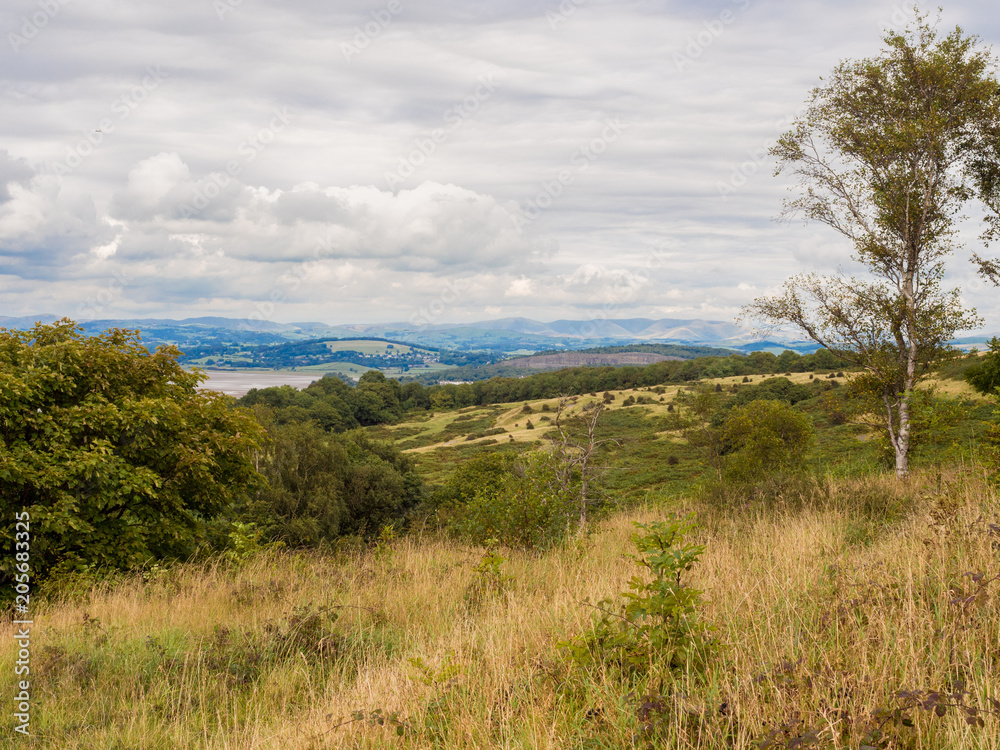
(914, 126)
(528, 507)
(992, 441)
(322, 486)
(244, 541)
(334, 405)
(114, 453)
(984, 376)
(656, 628)
(485, 473)
(492, 387)
(778, 389)
(443, 676)
(701, 406)
(764, 437)
(490, 580)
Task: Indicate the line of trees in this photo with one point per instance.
(336, 406)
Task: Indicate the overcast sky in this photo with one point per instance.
(425, 160)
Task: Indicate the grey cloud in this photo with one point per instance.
(44, 227)
(12, 170)
(323, 177)
(432, 226)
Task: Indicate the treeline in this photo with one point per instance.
(667, 350)
(336, 406)
(580, 380)
(716, 365)
(303, 353)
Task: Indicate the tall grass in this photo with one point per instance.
(825, 611)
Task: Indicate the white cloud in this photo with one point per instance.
(202, 209)
(522, 287)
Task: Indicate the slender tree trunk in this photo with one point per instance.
(909, 379)
(903, 439)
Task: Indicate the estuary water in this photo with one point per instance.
(238, 382)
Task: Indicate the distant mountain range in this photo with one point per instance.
(503, 335)
(506, 335)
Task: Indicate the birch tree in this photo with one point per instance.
(889, 151)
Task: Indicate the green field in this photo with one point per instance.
(373, 348)
(355, 371)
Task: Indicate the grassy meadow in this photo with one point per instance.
(851, 610)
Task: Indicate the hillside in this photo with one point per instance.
(425, 571)
(822, 617)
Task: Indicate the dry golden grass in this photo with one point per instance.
(822, 615)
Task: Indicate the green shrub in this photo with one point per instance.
(322, 486)
(114, 453)
(531, 506)
(764, 437)
(984, 376)
(655, 629)
(490, 581)
(993, 451)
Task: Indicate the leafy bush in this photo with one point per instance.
(764, 437)
(656, 628)
(490, 581)
(322, 486)
(530, 506)
(993, 450)
(114, 453)
(481, 473)
(984, 376)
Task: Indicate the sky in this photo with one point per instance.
(431, 161)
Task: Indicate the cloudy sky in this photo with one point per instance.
(425, 160)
